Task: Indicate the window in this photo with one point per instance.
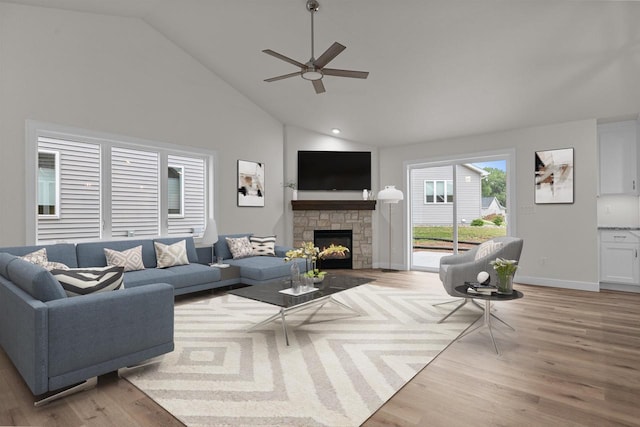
(175, 188)
(90, 187)
(438, 191)
(48, 179)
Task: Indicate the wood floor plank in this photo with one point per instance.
(574, 360)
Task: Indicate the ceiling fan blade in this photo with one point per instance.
(345, 73)
(333, 51)
(318, 86)
(284, 58)
(284, 76)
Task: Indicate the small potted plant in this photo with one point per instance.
(313, 254)
(505, 268)
(292, 186)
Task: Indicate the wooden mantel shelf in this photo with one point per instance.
(333, 205)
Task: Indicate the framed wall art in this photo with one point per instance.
(554, 176)
(250, 183)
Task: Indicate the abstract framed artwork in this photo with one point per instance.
(250, 183)
(554, 176)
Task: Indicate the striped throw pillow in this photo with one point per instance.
(84, 281)
(263, 246)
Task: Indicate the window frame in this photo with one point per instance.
(56, 173)
(181, 173)
(37, 129)
(447, 198)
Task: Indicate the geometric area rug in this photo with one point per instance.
(338, 370)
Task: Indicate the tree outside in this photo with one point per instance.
(495, 185)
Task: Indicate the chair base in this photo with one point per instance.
(462, 304)
(85, 385)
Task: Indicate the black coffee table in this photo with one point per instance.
(270, 293)
(487, 310)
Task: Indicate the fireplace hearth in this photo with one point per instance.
(322, 239)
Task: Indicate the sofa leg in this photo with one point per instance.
(85, 385)
(127, 369)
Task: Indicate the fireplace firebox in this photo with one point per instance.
(324, 238)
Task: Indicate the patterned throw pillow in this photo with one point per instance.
(40, 258)
(240, 247)
(84, 281)
(130, 259)
(487, 248)
(263, 246)
(170, 255)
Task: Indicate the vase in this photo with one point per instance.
(294, 195)
(295, 278)
(505, 284)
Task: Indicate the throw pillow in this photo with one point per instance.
(170, 255)
(38, 257)
(52, 265)
(240, 247)
(84, 281)
(130, 259)
(487, 248)
(263, 246)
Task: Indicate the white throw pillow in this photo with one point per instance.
(240, 247)
(130, 259)
(487, 248)
(40, 258)
(170, 255)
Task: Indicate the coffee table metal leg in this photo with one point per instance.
(284, 326)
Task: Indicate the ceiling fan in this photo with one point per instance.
(314, 70)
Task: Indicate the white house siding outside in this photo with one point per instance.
(468, 187)
(491, 205)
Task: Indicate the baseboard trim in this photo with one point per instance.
(557, 283)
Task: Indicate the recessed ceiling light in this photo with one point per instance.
(335, 131)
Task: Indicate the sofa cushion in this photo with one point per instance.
(92, 254)
(192, 254)
(192, 274)
(261, 268)
(240, 247)
(84, 281)
(221, 248)
(64, 253)
(170, 255)
(34, 280)
(263, 246)
(146, 277)
(130, 259)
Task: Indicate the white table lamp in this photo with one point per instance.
(390, 195)
(210, 235)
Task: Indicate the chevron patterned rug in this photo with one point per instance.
(339, 369)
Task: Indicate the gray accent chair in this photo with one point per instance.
(464, 267)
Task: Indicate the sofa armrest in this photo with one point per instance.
(88, 330)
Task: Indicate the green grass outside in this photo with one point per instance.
(465, 234)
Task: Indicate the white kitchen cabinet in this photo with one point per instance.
(618, 153)
(619, 262)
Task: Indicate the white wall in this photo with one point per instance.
(560, 241)
(302, 139)
(120, 76)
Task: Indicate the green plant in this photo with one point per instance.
(290, 184)
(477, 222)
(498, 220)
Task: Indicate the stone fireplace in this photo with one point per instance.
(353, 215)
(322, 239)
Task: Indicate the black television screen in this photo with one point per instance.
(334, 170)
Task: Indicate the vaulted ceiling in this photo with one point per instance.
(438, 69)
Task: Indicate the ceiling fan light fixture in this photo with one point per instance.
(311, 75)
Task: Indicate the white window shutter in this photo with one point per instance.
(194, 195)
(135, 201)
(80, 216)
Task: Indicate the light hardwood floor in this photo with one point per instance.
(574, 360)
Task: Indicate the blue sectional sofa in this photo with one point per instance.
(56, 341)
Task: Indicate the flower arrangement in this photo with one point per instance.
(313, 254)
(505, 268)
(290, 184)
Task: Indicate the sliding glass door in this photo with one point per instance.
(456, 205)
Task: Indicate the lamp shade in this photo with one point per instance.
(210, 235)
(390, 194)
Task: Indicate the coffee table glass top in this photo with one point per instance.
(268, 293)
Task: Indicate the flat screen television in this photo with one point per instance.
(334, 170)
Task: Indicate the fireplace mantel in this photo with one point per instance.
(333, 205)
